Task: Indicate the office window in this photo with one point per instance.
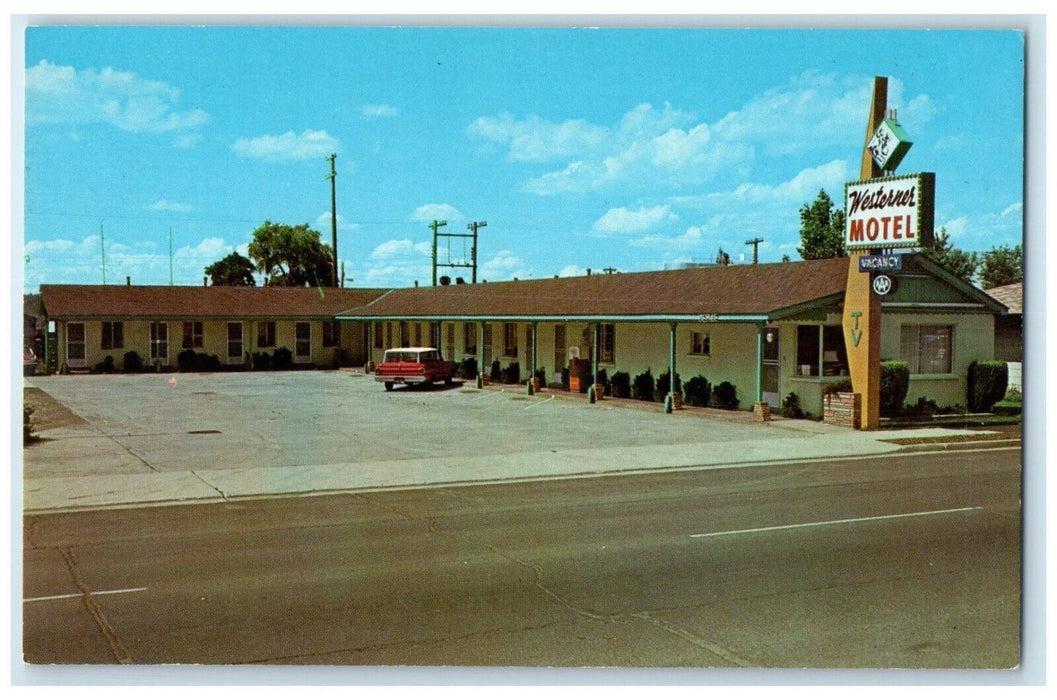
(510, 339)
(833, 356)
(113, 335)
(331, 334)
(469, 338)
(700, 343)
(192, 334)
(378, 337)
(607, 343)
(418, 334)
(927, 349)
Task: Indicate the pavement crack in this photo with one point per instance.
(212, 486)
(121, 654)
(688, 636)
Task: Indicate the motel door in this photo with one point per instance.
(771, 369)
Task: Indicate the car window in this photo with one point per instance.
(430, 356)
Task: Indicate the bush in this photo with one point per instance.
(663, 385)
(28, 429)
(106, 366)
(262, 361)
(620, 385)
(496, 375)
(468, 368)
(187, 361)
(791, 406)
(725, 396)
(603, 379)
(841, 386)
(895, 381)
(697, 392)
(282, 358)
(512, 374)
(584, 368)
(987, 384)
(643, 386)
(132, 362)
(565, 379)
(541, 376)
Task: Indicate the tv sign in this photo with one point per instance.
(890, 212)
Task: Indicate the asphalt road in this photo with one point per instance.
(906, 561)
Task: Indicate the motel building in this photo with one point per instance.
(769, 329)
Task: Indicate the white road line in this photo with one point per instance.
(839, 522)
(488, 395)
(537, 403)
(81, 595)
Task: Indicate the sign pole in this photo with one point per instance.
(862, 309)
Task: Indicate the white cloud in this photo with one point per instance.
(436, 212)
(572, 271)
(307, 145)
(323, 224)
(1015, 209)
(64, 95)
(401, 248)
(503, 266)
(536, 139)
(623, 220)
(166, 205)
(372, 111)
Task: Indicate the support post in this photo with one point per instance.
(669, 400)
(480, 354)
(759, 361)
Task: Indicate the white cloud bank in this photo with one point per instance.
(289, 146)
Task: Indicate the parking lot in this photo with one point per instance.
(162, 437)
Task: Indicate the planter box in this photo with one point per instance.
(677, 400)
(761, 411)
(842, 408)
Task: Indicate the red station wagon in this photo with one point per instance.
(413, 366)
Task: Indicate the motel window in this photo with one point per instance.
(510, 340)
(927, 349)
(192, 334)
(434, 335)
(113, 335)
(235, 341)
(389, 335)
(418, 335)
(469, 339)
(331, 334)
(302, 341)
(607, 343)
(159, 341)
(378, 337)
(266, 334)
(405, 335)
(820, 346)
(700, 343)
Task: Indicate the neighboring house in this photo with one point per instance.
(770, 329)
(1009, 329)
(232, 323)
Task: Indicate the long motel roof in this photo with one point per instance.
(85, 302)
(718, 293)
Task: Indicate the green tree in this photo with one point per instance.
(1001, 266)
(962, 263)
(821, 229)
(232, 271)
(291, 256)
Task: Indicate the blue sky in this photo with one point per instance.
(636, 149)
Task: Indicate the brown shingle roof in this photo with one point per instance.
(1010, 295)
(163, 303)
(731, 290)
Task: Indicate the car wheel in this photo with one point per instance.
(388, 386)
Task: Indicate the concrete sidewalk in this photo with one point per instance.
(107, 461)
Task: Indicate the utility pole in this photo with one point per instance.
(755, 243)
(435, 225)
(473, 226)
(333, 176)
(102, 251)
